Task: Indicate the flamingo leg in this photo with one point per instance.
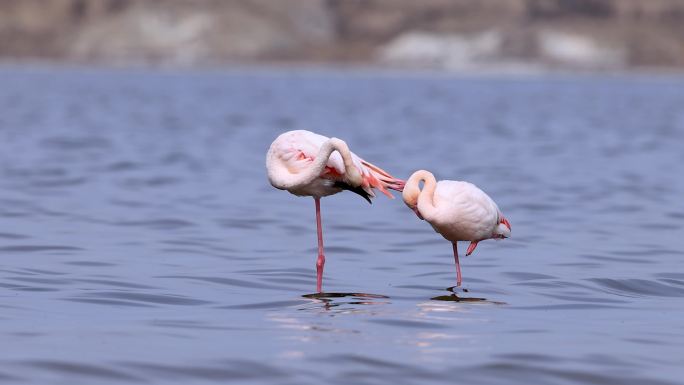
(321, 258)
(471, 247)
(458, 265)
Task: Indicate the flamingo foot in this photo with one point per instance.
(471, 247)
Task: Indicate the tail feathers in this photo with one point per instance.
(357, 190)
(375, 177)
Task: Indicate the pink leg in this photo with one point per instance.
(471, 247)
(458, 265)
(321, 258)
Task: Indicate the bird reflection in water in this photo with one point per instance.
(331, 300)
(453, 297)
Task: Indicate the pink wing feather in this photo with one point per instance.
(304, 146)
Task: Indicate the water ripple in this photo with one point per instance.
(225, 281)
(13, 236)
(189, 324)
(159, 224)
(264, 305)
(108, 302)
(157, 299)
(109, 282)
(569, 306)
(48, 281)
(637, 287)
(223, 371)
(501, 372)
(403, 323)
(38, 248)
(527, 276)
(80, 370)
(76, 143)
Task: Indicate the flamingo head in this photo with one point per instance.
(354, 176)
(502, 229)
(410, 196)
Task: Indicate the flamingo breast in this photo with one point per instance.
(466, 213)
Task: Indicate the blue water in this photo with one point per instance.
(140, 240)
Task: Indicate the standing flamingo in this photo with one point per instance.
(308, 164)
(458, 210)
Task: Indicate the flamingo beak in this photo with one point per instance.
(415, 210)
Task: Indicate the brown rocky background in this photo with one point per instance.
(450, 34)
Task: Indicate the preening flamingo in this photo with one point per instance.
(308, 164)
(458, 210)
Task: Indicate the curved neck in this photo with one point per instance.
(352, 174)
(424, 199)
(315, 169)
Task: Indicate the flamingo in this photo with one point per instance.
(308, 164)
(457, 210)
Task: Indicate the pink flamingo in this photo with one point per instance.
(459, 211)
(308, 164)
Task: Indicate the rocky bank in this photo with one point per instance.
(451, 34)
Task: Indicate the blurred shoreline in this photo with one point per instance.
(486, 36)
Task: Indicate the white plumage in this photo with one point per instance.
(465, 212)
(308, 164)
(457, 210)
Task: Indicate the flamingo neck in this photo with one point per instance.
(352, 174)
(423, 199)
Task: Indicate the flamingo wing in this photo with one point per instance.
(299, 149)
(467, 208)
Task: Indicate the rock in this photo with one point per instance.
(448, 51)
(576, 50)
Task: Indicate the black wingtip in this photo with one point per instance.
(356, 190)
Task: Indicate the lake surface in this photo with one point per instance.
(140, 240)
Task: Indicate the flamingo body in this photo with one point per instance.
(457, 210)
(465, 213)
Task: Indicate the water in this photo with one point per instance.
(141, 242)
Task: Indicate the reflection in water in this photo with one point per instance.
(330, 300)
(453, 297)
(323, 295)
